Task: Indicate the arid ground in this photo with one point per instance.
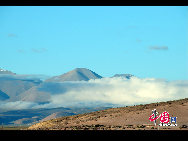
(123, 118)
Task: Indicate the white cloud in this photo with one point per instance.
(17, 105)
(117, 91)
(124, 91)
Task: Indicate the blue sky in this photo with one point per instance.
(143, 41)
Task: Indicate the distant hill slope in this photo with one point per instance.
(3, 96)
(29, 116)
(124, 118)
(34, 95)
(128, 76)
(77, 74)
(13, 86)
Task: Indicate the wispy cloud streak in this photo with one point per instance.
(158, 48)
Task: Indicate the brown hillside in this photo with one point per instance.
(123, 118)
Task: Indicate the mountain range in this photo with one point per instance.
(14, 88)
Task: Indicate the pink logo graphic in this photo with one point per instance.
(164, 118)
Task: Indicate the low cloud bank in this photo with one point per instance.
(115, 91)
